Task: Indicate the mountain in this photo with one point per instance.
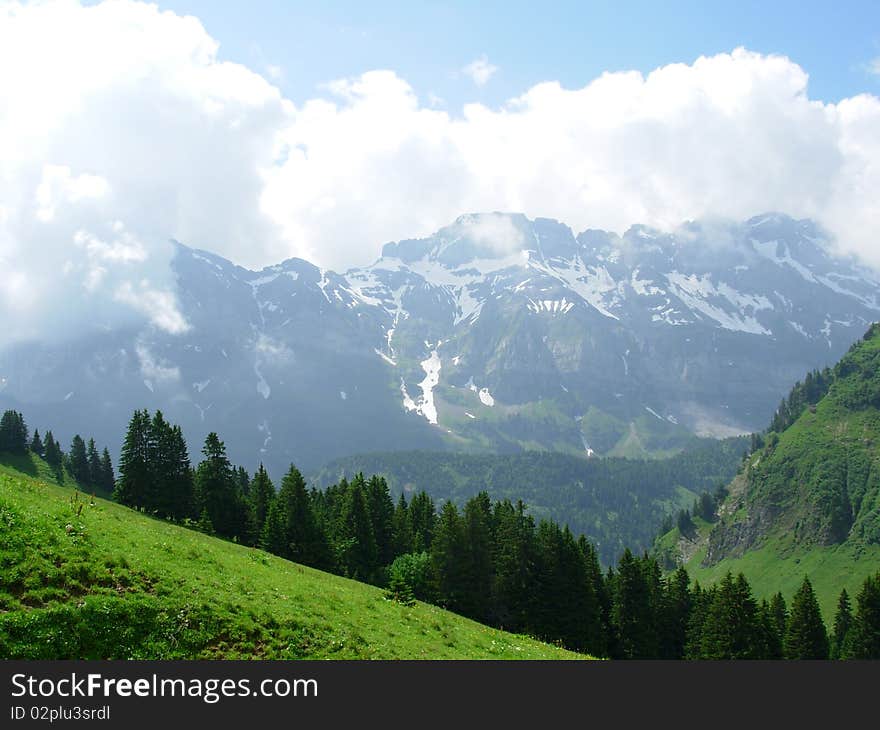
(90, 579)
(496, 334)
(808, 499)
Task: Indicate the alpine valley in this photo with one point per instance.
(497, 334)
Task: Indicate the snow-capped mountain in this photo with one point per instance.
(496, 333)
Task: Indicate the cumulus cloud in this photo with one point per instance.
(120, 128)
(480, 70)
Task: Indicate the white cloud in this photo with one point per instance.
(120, 129)
(480, 70)
(874, 67)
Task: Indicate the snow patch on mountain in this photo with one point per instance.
(425, 405)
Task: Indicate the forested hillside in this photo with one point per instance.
(808, 498)
(615, 503)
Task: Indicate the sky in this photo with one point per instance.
(429, 43)
(266, 130)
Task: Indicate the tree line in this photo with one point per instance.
(91, 470)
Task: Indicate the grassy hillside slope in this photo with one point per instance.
(87, 578)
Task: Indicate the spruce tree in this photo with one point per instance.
(273, 538)
(13, 433)
(357, 544)
(476, 579)
(382, 517)
(216, 490)
(631, 617)
(514, 556)
(447, 556)
(37, 444)
(94, 460)
(864, 642)
(79, 461)
(261, 496)
(842, 622)
(304, 541)
(402, 528)
(54, 457)
(805, 635)
(107, 480)
(135, 479)
(732, 628)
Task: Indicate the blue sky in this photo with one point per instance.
(427, 43)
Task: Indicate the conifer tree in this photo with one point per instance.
(805, 635)
(631, 619)
(216, 489)
(134, 484)
(515, 564)
(37, 444)
(864, 642)
(731, 629)
(79, 461)
(107, 479)
(842, 622)
(54, 457)
(304, 542)
(382, 517)
(94, 460)
(779, 612)
(357, 544)
(261, 495)
(402, 527)
(13, 433)
(476, 567)
(447, 556)
(273, 538)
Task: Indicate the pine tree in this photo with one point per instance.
(805, 635)
(842, 622)
(79, 461)
(37, 444)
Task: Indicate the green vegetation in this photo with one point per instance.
(616, 503)
(86, 578)
(807, 501)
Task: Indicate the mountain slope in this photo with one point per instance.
(92, 579)
(615, 503)
(809, 499)
(494, 335)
